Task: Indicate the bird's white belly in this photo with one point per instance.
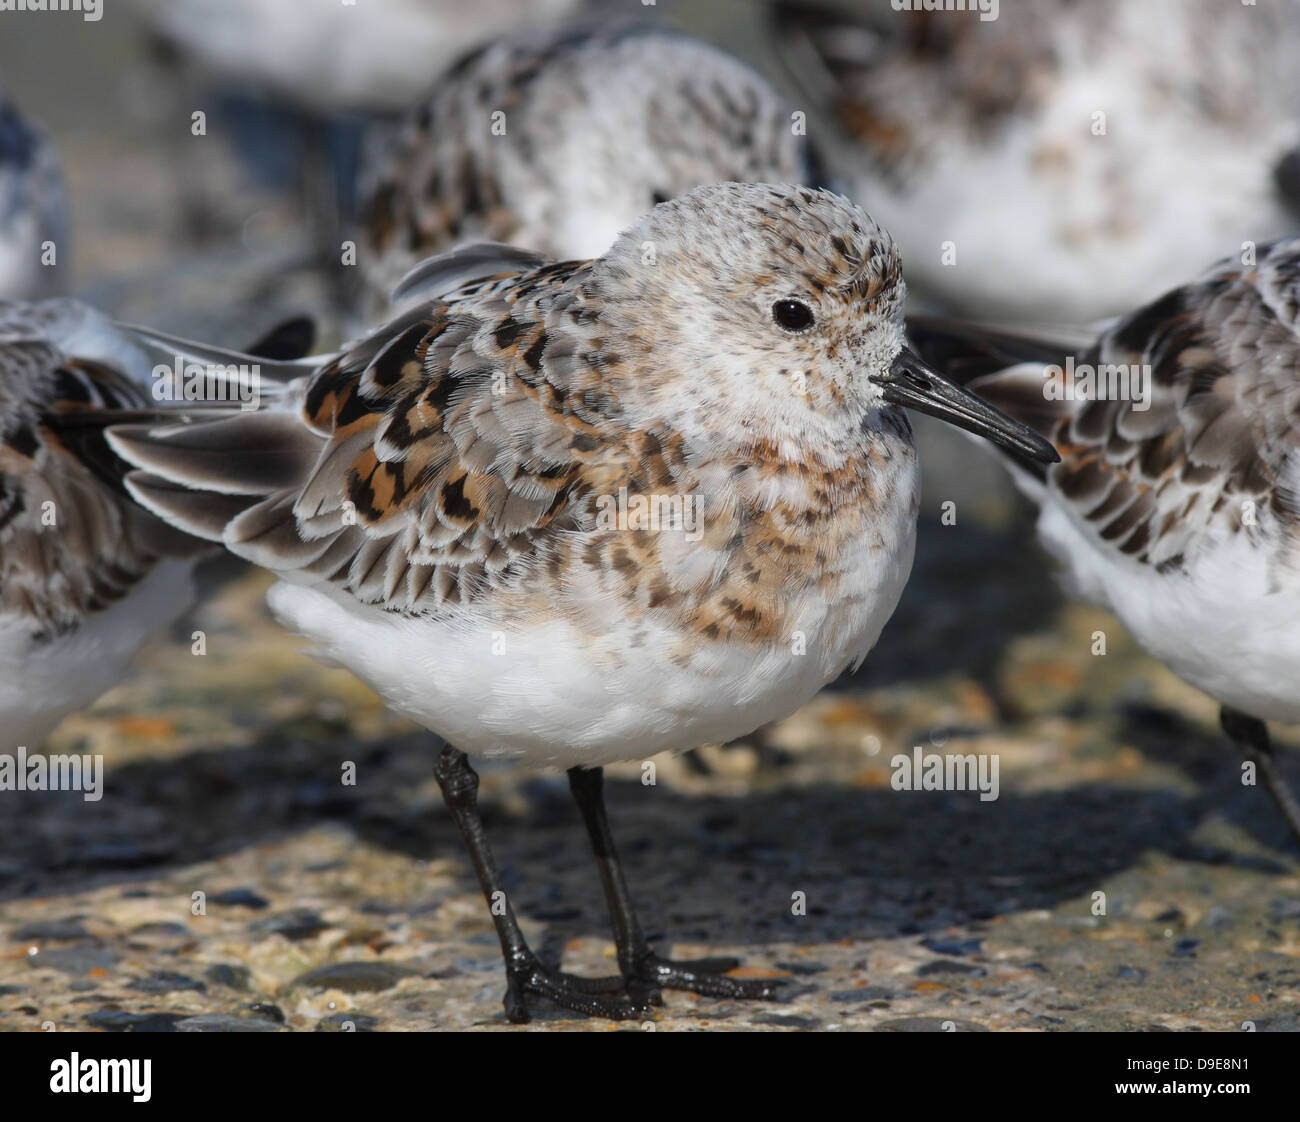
(552, 695)
(41, 683)
(1218, 626)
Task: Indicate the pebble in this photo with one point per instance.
(339, 1022)
(112, 1020)
(294, 926)
(267, 1011)
(166, 981)
(957, 947)
(805, 1023)
(225, 974)
(354, 977)
(239, 898)
(944, 966)
(57, 929)
(75, 960)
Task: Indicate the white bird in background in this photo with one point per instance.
(1067, 160)
(374, 56)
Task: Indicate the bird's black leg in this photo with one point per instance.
(1250, 735)
(524, 974)
(645, 971)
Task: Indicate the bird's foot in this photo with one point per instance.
(589, 996)
(706, 976)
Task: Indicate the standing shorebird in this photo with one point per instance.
(592, 511)
(1176, 504)
(86, 576)
(557, 142)
(1017, 159)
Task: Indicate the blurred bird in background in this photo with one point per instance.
(1062, 161)
(86, 576)
(33, 210)
(557, 141)
(293, 82)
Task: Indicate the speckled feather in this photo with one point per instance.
(86, 576)
(102, 544)
(556, 142)
(1184, 518)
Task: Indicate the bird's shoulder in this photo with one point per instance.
(1215, 446)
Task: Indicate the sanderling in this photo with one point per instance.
(1176, 503)
(33, 211)
(85, 575)
(581, 512)
(557, 142)
(1019, 160)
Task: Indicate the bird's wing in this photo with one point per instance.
(1214, 450)
(71, 541)
(448, 452)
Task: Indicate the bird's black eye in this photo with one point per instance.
(658, 197)
(792, 315)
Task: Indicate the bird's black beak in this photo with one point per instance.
(912, 383)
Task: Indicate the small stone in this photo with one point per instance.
(944, 966)
(162, 936)
(354, 977)
(112, 1020)
(807, 1024)
(167, 981)
(232, 977)
(347, 1022)
(957, 947)
(295, 926)
(56, 929)
(267, 1011)
(239, 898)
(75, 960)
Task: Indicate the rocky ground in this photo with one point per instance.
(229, 879)
(324, 903)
